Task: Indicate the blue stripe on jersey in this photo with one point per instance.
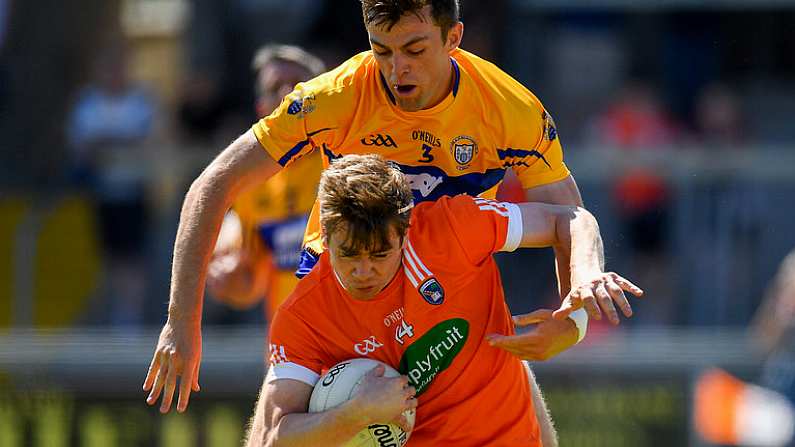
(329, 154)
(431, 183)
(457, 76)
(521, 153)
(297, 148)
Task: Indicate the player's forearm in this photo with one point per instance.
(208, 199)
(200, 221)
(329, 428)
(579, 241)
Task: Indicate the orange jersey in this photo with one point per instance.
(429, 323)
(487, 124)
(273, 217)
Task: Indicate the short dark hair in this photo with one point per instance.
(367, 196)
(445, 13)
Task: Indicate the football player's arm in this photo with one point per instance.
(281, 417)
(575, 232)
(239, 268)
(563, 192)
(178, 351)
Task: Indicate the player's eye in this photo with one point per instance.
(416, 52)
(381, 52)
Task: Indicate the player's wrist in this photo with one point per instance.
(353, 415)
(580, 319)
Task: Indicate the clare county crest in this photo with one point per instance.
(432, 291)
(302, 106)
(464, 150)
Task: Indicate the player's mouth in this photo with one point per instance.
(405, 89)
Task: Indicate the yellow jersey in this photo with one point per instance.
(488, 123)
(273, 217)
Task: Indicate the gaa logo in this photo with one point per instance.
(379, 140)
(432, 292)
(367, 346)
(464, 149)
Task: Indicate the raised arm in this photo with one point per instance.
(178, 351)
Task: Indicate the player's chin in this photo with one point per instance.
(410, 104)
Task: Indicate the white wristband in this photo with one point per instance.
(580, 319)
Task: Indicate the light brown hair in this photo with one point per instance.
(366, 196)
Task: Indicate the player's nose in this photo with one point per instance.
(362, 269)
(400, 68)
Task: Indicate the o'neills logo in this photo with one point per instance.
(433, 352)
(426, 137)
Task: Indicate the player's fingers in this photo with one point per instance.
(508, 341)
(619, 298)
(377, 371)
(628, 285)
(185, 385)
(569, 305)
(409, 391)
(196, 387)
(171, 384)
(534, 317)
(160, 380)
(403, 422)
(154, 367)
(590, 305)
(606, 304)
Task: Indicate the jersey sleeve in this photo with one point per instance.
(483, 227)
(292, 352)
(313, 114)
(284, 134)
(543, 163)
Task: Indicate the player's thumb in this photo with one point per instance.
(377, 371)
(533, 317)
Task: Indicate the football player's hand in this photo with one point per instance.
(546, 338)
(385, 398)
(237, 279)
(597, 295)
(178, 354)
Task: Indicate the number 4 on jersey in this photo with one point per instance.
(403, 330)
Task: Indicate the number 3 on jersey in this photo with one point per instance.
(403, 330)
(426, 154)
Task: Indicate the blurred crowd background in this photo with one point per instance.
(676, 119)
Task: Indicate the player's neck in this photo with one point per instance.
(443, 92)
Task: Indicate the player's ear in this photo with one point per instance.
(454, 36)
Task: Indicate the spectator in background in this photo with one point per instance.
(259, 247)
(107, 132)
(719, 121)
(637, 123)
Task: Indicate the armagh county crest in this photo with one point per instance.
(432, 291)
(464, 150)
